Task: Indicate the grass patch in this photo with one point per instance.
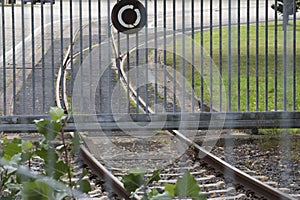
(278, 131)
(256, 80)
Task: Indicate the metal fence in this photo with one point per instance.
(178, 60)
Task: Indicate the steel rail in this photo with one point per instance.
(237, 175)
(62, 69)
(115, 184)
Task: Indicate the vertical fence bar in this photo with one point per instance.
(109, 53)
(52, 54)
(285, 140)
(4, 59)
(127, 70)
(174, 56)
(239, 53)
(229, 55)
(33, 59)
(137, 73)
(257, 56)
(71, 44)
(211, 55)
(90, 50)
(284, 56)
(294, 58)
(220, 54)
(13, 57)
(146, 61)
(266, 57)
(275, 54)
(62, 52)
(24, 107)
(183, 56)
(248, 58)
(193, 54)
(165, 53)
(43, 60)
(80, 54)
(155, 57)
(100, 48)
(201, 58)
(119, 74)
(119, 69)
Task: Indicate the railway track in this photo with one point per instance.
(217, 179)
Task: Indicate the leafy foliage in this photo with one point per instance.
(48, 128)
(57, 114)
(56, 163)
(133, 181)
(36, 190)
(186, 186)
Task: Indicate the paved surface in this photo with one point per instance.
(14, 64)
(29, 42)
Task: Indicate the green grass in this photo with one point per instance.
(266, 83)
(278, 131)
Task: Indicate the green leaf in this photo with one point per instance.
(10, 150)
(61, 169)
(37, 190)
(56, 114)
(170, 188)
(17, 158)
(133, 181)
(48, 129)
(155, 176)
(26, 156)
(4, 141)
(53, 166)
(17, 141)
(187, 186)
(56, 170)
(85, 186)
(48, 155)
(41, 125)
(23, 178)
(26, 145)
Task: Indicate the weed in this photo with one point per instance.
(54, 180)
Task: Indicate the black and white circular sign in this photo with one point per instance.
(129, 16)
